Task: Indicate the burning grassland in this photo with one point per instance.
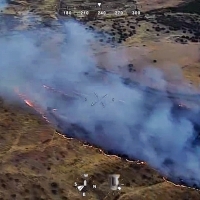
(40, 163)
(74, 130)
(67, 90)
(68, 98)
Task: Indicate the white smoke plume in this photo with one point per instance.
(3, 4)
(128, 120)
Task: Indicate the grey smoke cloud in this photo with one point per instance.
(3, 4)
(141, 127)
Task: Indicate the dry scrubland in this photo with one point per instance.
(38, 163)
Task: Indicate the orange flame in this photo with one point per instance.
(28, 103)
(31, 104)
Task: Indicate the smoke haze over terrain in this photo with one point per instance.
(2, 4)
(132, 128)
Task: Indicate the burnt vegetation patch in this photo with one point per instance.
(188, 7)
(188, 24)
(191, 7)
(185, 18)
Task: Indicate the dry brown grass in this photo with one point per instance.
(146, 5)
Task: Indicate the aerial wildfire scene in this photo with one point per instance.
(135, 114)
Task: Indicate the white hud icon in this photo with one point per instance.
(114, 181)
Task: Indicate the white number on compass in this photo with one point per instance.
(101, 12)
